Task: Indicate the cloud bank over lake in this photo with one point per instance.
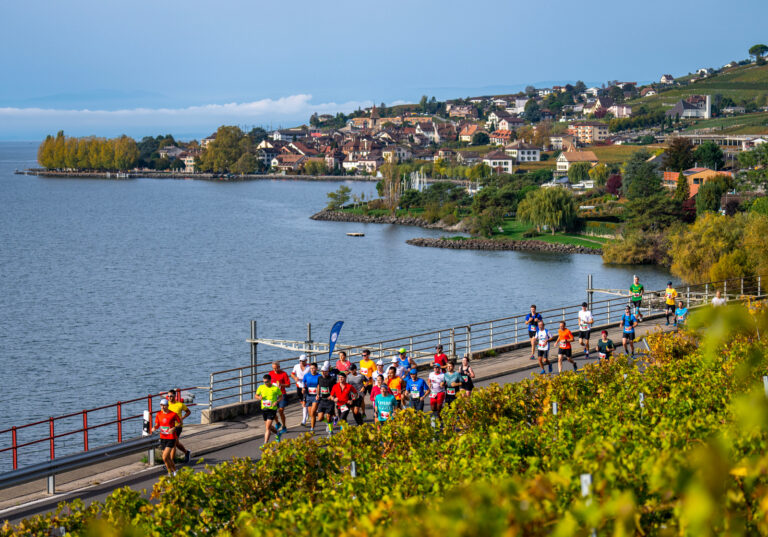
(32, 123)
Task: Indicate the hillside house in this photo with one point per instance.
(695, 106)
(468, 158)
(499, 162)
(467, 132)
(568, 158)
(396, 153)
(510, 123)
(286, 162)
(620, 111)
(667, 79)
(500, 137)
(563, 142)
(523, 152)
(588, 132)
(695, 176)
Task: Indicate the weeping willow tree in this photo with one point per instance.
(551, 207)
(392, 185)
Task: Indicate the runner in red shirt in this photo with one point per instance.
(280, 378)
(166, 422)
(440, 358)
(343, 394)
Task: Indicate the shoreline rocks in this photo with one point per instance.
(337, 216)
(503, 245)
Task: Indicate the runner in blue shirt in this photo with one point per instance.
(416, 390)
(532, 321)
(311, 380)
(681, 314)
(405, 363)
(628, 324)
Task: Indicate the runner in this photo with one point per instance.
(564, 339)
(605, 347)
(358, 382)
(175, 404)
(281, 379)
(343, 394)
(628, 324)
(165, 422)
(325, 407)
(467, 374)
(384, 406)
(400, 367)
(437, 391)
(636, 291)
(270, 395)
(378, 387)
(395, 384)
(342, 364)
(532, 320)
(585, 328)
(681, 314)
(367, 368)
(311, 380)
(379, 372)
(452, 383)
(417, 390)
(299, 370)
(670, 294)
(543, 337)
(718, 300)
(440, 357)
(406, 363)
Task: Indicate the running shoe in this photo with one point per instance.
(542, 372)
(187, 456)
(550, 369)
(533, 357)
(279, 434)
(575, 367)
(312, 430)
(329, 428)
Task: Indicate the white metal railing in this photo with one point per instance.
(239, 383)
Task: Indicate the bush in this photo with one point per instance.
(637, 249)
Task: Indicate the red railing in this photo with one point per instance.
(85, 429)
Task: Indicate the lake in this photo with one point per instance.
(113, 289)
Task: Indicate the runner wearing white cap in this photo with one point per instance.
(299, 370)
(379, 372)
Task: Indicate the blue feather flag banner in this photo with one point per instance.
(334, 337)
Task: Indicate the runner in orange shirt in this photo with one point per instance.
(564, 339)
(166, 422)
(396, 385)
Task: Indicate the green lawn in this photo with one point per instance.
(756, 123)
(618, 154)
(513, 229)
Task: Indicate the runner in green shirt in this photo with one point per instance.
(270, 395)
(636, 291)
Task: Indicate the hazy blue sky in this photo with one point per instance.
(103, 67)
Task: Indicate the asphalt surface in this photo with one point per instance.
(144, 481)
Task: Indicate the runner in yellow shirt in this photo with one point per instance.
(270, 395)
(176, 404)
(670, 294)
(367, 368)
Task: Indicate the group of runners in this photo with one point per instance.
(169, 423)
(330, 393)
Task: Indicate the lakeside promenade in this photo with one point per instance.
(241, 437)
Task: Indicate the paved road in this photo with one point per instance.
(145, 480)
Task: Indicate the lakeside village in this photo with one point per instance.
(628, 171)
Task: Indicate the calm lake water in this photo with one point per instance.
(114, 289)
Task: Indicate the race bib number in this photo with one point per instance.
(563, 344)
(396, 392)
(542, 345)
(164, 429)
(465, 378)
(583, 327)
(313, 390)
(451, 391)
(415, 394)
(364, 370)
(385, 415)
(266, 403)
(343, 408)
(324, 390)
(602, 355)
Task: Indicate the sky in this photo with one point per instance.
(95, 67)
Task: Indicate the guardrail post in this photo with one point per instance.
(469, 341)
(563, 314)
(210, 394)
(609, 312)
(491, 335)
(453, 342)
(50, 429)
(590, 293)
(119, 422)
(410, 347)
(241, 385)
(15, 444)
(758, 286)
(381, 351)
(688, 297)
(516, 338)
(742, 286)
(255, 359)
(706, 293)
(51, 484)
(85, 430)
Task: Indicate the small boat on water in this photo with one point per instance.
(356, 234)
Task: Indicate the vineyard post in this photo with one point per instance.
(765, 384)
(586, 492)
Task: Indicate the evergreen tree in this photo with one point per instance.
(682, 191)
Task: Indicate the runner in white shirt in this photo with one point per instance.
(298, 375)
(437, 389)
(585, 326)
(543, 337)
(379, 371)
(718, 300)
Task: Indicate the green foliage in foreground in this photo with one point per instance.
(691, 461)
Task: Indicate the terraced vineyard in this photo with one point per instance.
(674, 447)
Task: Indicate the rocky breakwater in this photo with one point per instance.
(337, 216)
(502, 244)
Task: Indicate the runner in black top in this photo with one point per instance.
(467, 374)
(325, 407)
